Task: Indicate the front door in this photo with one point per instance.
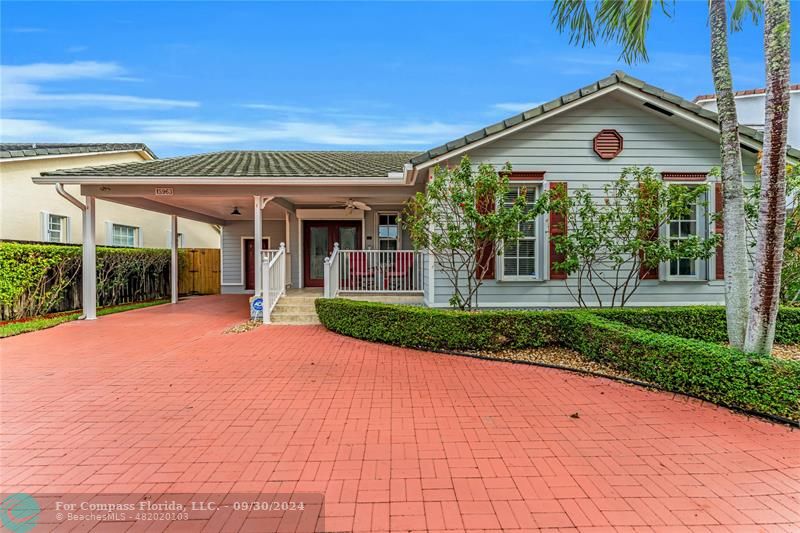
(250, 262)
(319, 237)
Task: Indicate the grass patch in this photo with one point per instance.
(9, 329)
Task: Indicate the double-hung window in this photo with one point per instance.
(688, 225)
(56, 228)
(388, 231)
(122, 235)
(520, 258)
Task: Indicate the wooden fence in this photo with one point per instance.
(199, 271)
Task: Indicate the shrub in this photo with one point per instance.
(433, 329)
(709, 371)
(705, 323)
(686, 365)
(37, 279)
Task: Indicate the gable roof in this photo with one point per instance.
(618, 78)
(257, 164)
(23, 150)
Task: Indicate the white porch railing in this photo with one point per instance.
(273, 279)
(373, 271)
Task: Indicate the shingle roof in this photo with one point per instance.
(747, 92)
(616, 78)
(257, 164)
(20, 150)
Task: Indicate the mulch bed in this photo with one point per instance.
(553, 355)
(787, 351)
(244, 327)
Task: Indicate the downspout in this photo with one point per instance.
(80, 205)
(71, 199)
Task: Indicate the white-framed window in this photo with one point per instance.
(521, 259)
(169, 239)
(690, 224)
(388, 231)
(55, 228)
(122, 235)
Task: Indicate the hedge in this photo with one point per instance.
(705, 323)
(433, 329)
(36, 279)
(702, 369)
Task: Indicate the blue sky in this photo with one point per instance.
(196, 77)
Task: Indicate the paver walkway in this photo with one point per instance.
(159, 400)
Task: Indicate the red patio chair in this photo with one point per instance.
(359, 272)
(398, 275)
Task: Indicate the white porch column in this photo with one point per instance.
(89, 262)
(257, 245)
(173, 262)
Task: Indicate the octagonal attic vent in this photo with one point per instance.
(607, 144)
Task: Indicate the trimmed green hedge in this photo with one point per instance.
(703, 369)
(37, 279)
(705, 323)
(433, 329)
(706, 370)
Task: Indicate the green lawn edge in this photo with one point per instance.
(11, 329)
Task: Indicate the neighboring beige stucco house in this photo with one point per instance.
(31, 212)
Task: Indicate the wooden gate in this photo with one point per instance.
(199, 271)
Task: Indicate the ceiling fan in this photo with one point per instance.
(351, 204)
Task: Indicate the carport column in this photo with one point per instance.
(173, 262)
(257, 244)
(89, 266)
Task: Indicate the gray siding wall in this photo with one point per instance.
(371, 227)
(562, 146)
(232, 253)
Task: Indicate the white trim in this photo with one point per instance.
(66, 234)
(499, 265)
(572, 305)
(74, 154)
(377, 223)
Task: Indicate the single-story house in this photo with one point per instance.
(290, 208)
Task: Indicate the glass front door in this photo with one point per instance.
(319, 238)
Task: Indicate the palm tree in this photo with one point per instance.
(625, 22)
(772, 201)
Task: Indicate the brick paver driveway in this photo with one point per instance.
(159, 400)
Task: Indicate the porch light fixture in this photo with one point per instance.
(236, 212)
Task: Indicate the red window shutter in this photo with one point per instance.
(485, 255)
(558, 226)
(719, 204)
(645, 272)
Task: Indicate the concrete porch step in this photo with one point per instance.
(294, 318)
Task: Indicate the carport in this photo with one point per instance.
(221, 188)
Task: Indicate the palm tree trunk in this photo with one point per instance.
(737, 289)
(772, 203)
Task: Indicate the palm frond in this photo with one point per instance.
(743, 8)
(574, 16)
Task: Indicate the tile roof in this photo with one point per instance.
(21, 150)
(257, 164)
(748, 92)
(617, 78)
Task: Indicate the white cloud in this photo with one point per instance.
(22, 87)
(279, 108)
(217, 135)
(515, 107)
(27, 30)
